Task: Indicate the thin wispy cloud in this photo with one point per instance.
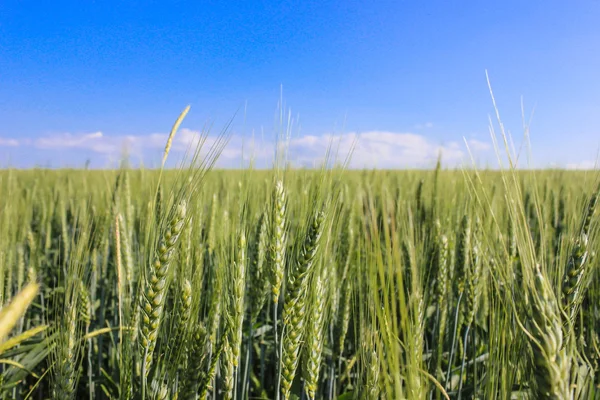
(426, 125)
(94, 141)
(478, 145)
(9, 142)
(583, 165)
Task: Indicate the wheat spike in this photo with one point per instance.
(154, 292)
(278, 237)
(294, 309)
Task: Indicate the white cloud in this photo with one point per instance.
(9, 142)
(426, 125)
(587, 164)
(372, 149)
(142, 146)
(377, 149)
(99, 143)
(95, 141)
(478, 145)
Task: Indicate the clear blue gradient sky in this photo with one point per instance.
(407, 79)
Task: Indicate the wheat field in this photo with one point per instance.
(195, 283)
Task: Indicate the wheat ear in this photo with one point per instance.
(314, 338)
(551, 361)
(155, 288)
(294, 309)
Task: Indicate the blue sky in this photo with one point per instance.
(79, 80)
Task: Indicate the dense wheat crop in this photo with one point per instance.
(331, 284)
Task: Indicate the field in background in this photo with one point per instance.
(300, 284)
